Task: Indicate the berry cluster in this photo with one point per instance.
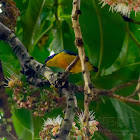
(9, 13)
(38, 100)
(5, 124)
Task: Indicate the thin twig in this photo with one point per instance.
(101, 37)
(134, 93)
(123, 86)
(134, 38)
(108, 133)
(79, 44)
(129, 32)
(109, 93)
(72, 64)
(125, 99)
(137, 91)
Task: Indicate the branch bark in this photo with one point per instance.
(123, 86)
(137, 91)
(9, 136)
(73, 63)
(79, 44)
(69, 114)
(109, 93)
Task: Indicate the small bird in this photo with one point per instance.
(64, 58)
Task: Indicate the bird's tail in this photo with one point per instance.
(95, 69)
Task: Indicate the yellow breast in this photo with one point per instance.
(62, 60)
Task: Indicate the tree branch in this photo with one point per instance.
(134, 38)
(137, 91)
(4, 133)
(109, 93)
(4, 103)
(107, 133)
(125, 99)
(73, 63)
(69, 114)
(79, 44)
(123, 86)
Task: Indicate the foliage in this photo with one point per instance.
(110, 43)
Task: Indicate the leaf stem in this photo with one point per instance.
(101, 39)
(43, 33)
(134, 38)
(30, 45)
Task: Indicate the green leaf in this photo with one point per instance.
(109, 42)
(122, 56)
(38, 123)
(3, 139)
(23, 123)
(99, 136)
(79, 138)
(32, 26)
(57, 41)
(62, 34)
(106, 115)
(124, 74)
(103, 33)
(40, 54)
(21, 5)
(128, 116)
(10, 62)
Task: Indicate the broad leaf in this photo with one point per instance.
(127, 116)
(32, 26)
